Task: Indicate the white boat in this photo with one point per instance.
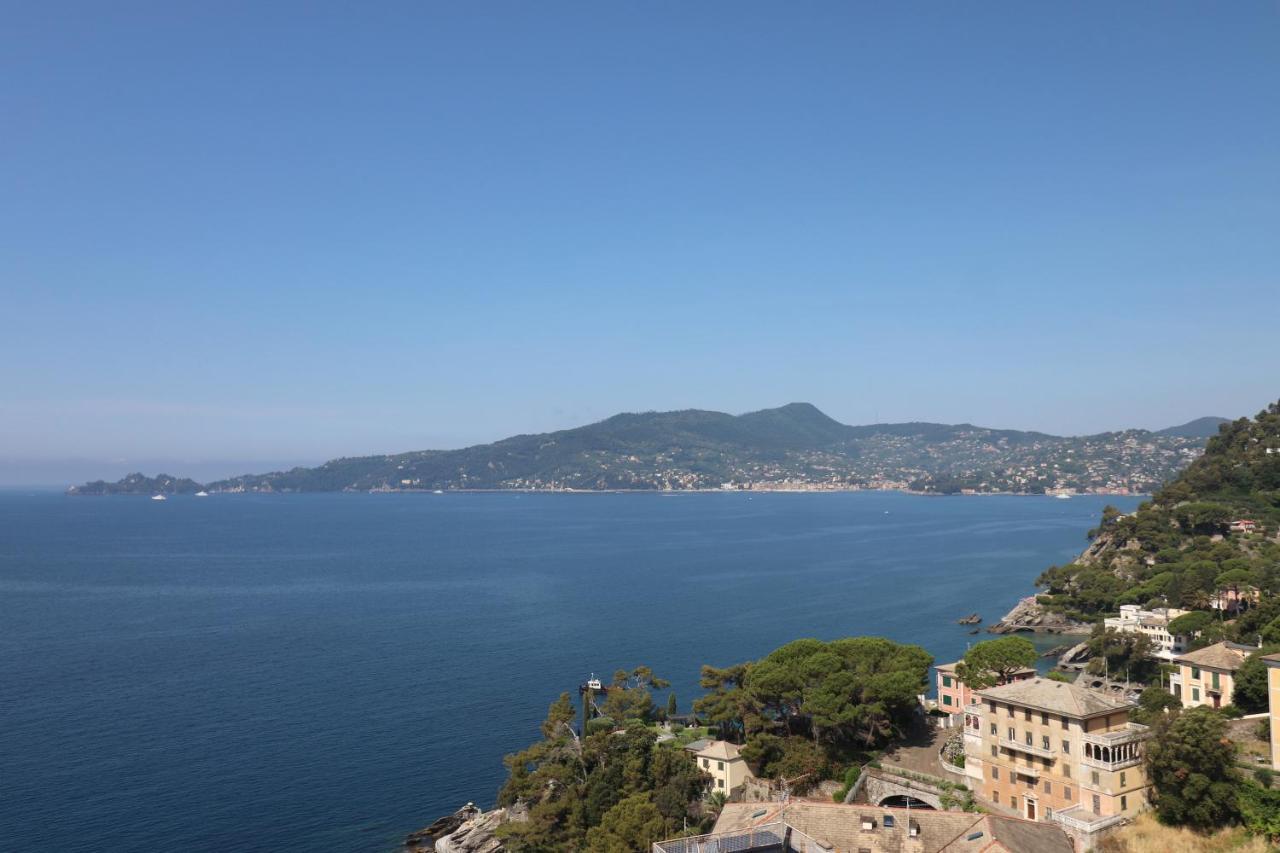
(158, 498)
(438, 492)
(1062, 497)
(202, 494)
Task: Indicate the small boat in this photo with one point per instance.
(158, 498)
(202, 494)
(438, 492)
(1062, 497)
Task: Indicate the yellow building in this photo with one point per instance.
(727, 768)
(1207, 676)
(1273, 700)
(1048, 750)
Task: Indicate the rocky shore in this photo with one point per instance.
(468, 830)
(1029, 615)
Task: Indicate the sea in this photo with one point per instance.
(333, 671)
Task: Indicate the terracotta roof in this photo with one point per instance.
(1228, 656)
(1058, 697)
(719, 749)
(950, 668)
(1270, 659)
(840, 826)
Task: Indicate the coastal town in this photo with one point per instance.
(1157, 711)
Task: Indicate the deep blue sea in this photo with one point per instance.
(331, 672)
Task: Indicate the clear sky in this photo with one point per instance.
(265, 232)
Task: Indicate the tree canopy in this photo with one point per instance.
(994, 662)
(1191, 764)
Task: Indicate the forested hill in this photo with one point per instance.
(794, 446)
(1209, 535)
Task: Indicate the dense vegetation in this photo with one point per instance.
(140, 484)
(1179, 550)
(810, 709)
(792, 445)
(1192, 766)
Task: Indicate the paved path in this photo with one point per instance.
(919, 752)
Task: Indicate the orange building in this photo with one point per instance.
(954, 695)
(1048, 750)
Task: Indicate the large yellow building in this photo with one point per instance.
(1273, 699)
(1207, 676)
(722, 761)
(1048, 750)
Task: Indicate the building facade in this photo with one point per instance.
(722, 761)
(1207, 676)
(954, 695)
(1154, 624)
(1273, 705)
(1048, 750)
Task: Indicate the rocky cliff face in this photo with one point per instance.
(1028, 615)
(468, 830)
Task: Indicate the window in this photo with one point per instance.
(1044, 717)
(888, 821)
(1026, 714)
(1097, 804)
(1028, 734)
(719, 783)
(1094, 778)
(946, 699)
(1009, 710)
(1195, 694)
(1048, 789)
(1066, 747)
(1124, 802)
(706, 762)
(991, 706)
(1216, 685)
(1195, 673)
(1066, 793)
(719, 765)
(1066, 770)
(1044, 742)
(994, 728)
(1122, 784)
(946, 681)
(1011, 735)
(995, 772)
(995, 751)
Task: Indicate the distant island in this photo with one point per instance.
(792, 447)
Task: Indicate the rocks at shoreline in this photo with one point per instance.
(1029, 615)
(468, 830)
(971, 619)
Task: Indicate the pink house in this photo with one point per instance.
(954, 694)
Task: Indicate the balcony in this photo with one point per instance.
(1083, 820)
(1115, 750)
(1016, 746)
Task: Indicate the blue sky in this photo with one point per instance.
(252, 233)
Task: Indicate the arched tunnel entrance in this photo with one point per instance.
(902, 801)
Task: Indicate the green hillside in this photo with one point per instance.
(1181, 547)
(794, 446)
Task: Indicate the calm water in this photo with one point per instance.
(330, 672)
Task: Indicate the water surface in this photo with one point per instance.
(330, 672)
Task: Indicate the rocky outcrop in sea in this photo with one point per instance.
(468, 830)
(1030, 615)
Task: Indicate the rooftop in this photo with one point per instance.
(1228, 656)
(950, 669)
(1056, 696)
(721, 750)
(839, 828)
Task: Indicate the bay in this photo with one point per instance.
(330, 672)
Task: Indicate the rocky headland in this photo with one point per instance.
(1029, 615)
(468, 830)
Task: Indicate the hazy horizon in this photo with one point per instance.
(253, 235)
(55, 472)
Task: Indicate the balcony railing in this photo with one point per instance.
(776, 837)
(1079, 818)
(1018, 746)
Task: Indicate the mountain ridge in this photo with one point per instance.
(791, 446)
